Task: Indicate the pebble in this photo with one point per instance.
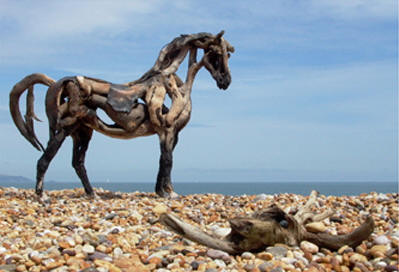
(160, 208)
(221, 232)
(260, 197)
(8, 267)
(289, 260)
(382, 240)
(194, 265)
(378, 251)
(217, 254)
(121, 232)
(381, 265)
(277, 269)
(277, 251)
(392, 268)
(356, 257)
(316, 227)
(247, 255)
(249, 267)
(309, 247)
(265, 266)
(220, 263)
(88, 249)
(267, 256)
(100, 255)
(2, 250)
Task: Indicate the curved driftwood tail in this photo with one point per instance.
(335, 242)
(25, 127)
(194, 234)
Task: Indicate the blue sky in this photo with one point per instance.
(313, 98)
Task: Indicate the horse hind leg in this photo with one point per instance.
(53, 146)
(81, 138)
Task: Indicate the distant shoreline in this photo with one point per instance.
(233, 188)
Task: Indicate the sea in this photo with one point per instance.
(233, 188)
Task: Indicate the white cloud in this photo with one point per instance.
(50, 19)
(344, 9)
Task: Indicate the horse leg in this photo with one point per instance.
(53, 145)
(81, 138)
(164, 186)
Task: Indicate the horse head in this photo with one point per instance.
(216, 60)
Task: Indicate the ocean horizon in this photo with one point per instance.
(226, 188)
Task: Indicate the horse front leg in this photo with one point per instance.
(164, 186)
(53, 145)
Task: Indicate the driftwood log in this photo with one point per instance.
(268, 227)
(137, 108)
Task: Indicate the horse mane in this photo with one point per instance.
(173, 53)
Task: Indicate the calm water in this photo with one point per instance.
(249, 188)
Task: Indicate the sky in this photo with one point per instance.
(314, 93)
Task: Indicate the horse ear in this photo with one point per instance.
(219, 35)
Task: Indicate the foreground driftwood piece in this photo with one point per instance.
(269, 227)
(137, 108)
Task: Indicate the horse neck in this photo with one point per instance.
(192, 71)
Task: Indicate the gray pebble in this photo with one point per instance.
(99, 255)
(277, 251)
(264, 267)
(195, 265)
(249, 267)
(391, 268)
(8, 267)
(110, 216)
(381, 240)
(217, 254)
(69, 252)
(89, 269)
(277, 269)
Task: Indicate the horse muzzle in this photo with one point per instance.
(223, 81)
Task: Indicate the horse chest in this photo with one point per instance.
(160, 116)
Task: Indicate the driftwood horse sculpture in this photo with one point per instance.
(137, 107)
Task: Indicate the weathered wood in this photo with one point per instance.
(266, 228)
(136, 108)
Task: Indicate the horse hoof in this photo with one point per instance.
(173, 195)
(168, 195)
(43, 199)
(92, 196)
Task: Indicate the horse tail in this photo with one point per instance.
(25, 127)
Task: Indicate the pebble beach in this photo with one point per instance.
(120, 232)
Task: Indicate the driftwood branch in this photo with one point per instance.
(305, 213)
(195, 234)
(268, 227)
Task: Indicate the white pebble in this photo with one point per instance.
(247, 255)
(220, 263)
(381, 240)
(88, 249)
(2, 250)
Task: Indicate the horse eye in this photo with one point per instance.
(228, 55)
(284, 223)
